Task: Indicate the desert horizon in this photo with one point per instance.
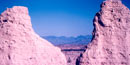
(64, 32)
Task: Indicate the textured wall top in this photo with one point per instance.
(113, 0)
(110, 44)
(19, 45)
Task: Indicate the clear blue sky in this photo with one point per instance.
(60, 17)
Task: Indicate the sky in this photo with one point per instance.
(60, 17)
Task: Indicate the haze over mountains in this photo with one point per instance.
(109, 42)
(68, 40)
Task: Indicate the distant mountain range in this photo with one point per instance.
(68, 40)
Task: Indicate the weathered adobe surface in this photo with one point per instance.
(19, 45)
(111, 36)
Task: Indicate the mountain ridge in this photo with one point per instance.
(57, 40)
